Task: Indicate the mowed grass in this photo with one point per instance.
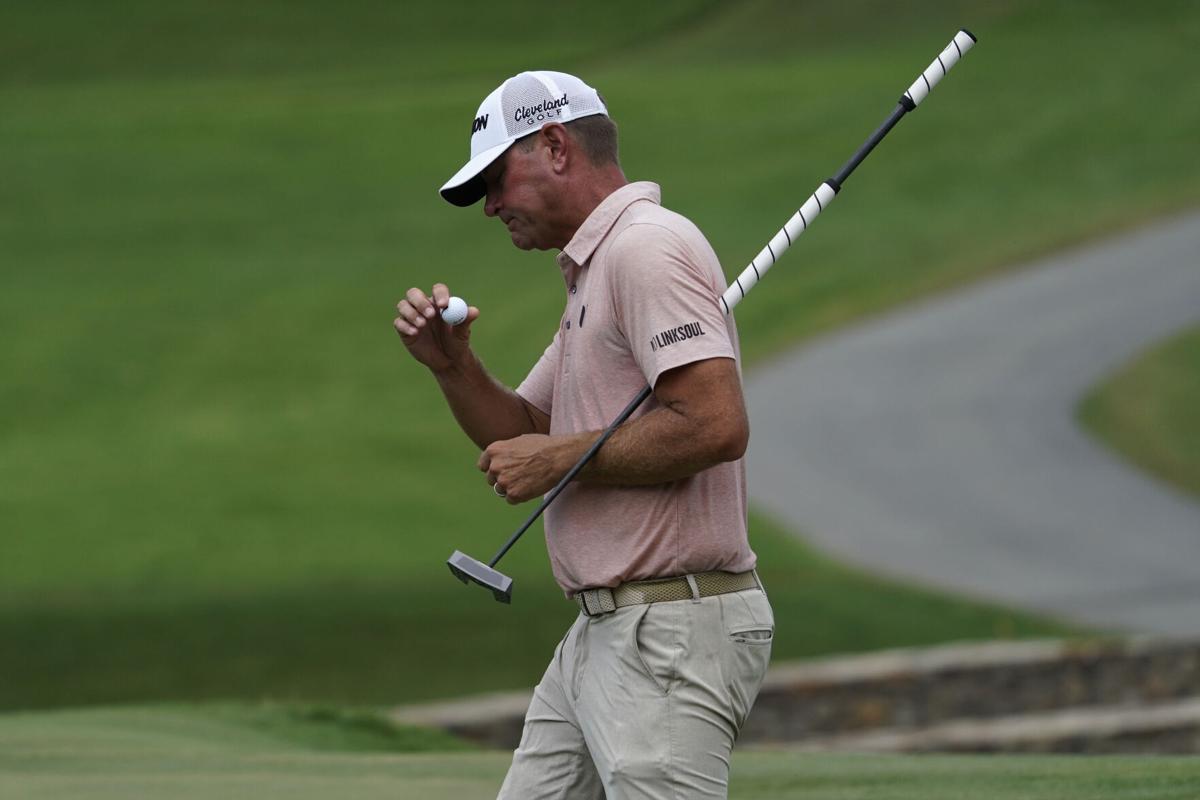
(423, 636)
(219, 474)
(178, 754)
(1148, 410)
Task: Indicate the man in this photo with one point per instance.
(646, 693)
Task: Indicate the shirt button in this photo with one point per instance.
(568, 324)
(572, 288)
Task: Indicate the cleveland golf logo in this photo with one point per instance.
(479, 124)
(677, 334)
(542, 111)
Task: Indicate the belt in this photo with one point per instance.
(594, 602)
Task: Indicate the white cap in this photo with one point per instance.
(521, 105)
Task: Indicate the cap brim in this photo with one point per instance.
(467, 187)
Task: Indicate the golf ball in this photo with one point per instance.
(455, 313)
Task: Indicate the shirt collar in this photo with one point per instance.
(603, 217)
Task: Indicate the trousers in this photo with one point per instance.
(645, 702)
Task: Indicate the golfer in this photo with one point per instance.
(647, 691)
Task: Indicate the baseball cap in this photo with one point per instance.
(521, 105)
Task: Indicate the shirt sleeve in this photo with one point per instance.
(665, 296)
(538, 387)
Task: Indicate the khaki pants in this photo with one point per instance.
(645, 702)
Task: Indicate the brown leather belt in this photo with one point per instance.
(593, 602)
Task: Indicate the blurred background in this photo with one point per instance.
(221, 477)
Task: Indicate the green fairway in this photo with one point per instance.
(220, 477)
(182, 754)
(1147, 410)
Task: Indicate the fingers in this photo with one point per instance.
(441, 295)
(411, 319)
(510, 495)
(420, 303)
(492, 473)
(403, 327)
(417, 309)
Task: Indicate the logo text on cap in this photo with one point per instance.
(479, 124)
(542, 111)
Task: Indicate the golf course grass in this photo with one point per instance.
(1148, 411)
(221, 477)
(180, 754)
(370, 642)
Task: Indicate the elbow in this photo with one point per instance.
(734, 439)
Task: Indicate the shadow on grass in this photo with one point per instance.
(336, 644)
(361, 643)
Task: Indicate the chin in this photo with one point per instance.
(523, 242)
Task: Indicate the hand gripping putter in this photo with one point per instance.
(467, 569)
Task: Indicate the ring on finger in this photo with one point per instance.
(499, 492)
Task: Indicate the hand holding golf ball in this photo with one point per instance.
(436, 343)
(455, 312)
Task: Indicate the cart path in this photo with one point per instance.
(940, 443)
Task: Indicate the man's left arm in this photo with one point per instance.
(700, 422)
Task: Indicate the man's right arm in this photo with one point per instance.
(485, 409)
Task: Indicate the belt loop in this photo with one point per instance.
(606, 601)
(758, 580)
(691, 579)
(587, 612)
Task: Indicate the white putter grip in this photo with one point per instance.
(923, 85)
(817, 202)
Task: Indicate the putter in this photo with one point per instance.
(468, 569)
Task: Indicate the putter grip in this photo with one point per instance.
(817, 202)
(923, 85)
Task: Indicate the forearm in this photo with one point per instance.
(484, 408)
(700, 422)
(660, 447)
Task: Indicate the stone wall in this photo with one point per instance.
(917, 688)
(1139, 695)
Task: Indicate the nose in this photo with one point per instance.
(491, 202)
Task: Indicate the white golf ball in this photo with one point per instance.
(456, 312)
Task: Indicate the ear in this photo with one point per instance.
(558, 145)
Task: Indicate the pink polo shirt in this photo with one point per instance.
(642, 298)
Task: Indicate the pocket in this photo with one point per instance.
(754, 636)
(748, 617)
(750, 632)
(654, 645)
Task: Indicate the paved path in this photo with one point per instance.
(940, 443)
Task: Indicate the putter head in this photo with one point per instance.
(467, 569)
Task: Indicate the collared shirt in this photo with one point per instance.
(642, 298)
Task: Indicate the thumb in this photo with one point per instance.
(463, 330)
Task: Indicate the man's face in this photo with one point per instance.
(518, 189)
